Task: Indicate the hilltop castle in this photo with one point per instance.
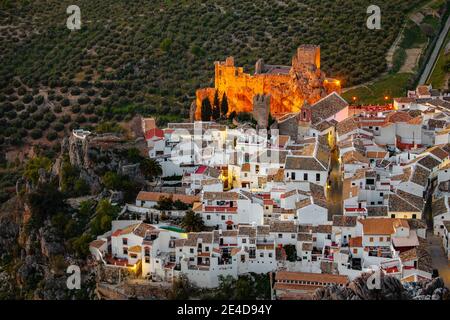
(289, 87)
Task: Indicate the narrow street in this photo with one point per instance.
(334, 187)
(439, 260)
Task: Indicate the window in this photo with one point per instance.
(244, 240)
(208, 217)
(292, 236)
(270, 254)
(381, 194)
(124, 241)
(125, 250)
(317, 176)
(305, 177)
(392, 215)
(293, 175)
(222, 217)
(261, 255)
(388, 239)
(371, 239)
(191, 250)
(414, 216)
(280, 236)
(355, 251)
(381, 239)
(206, 249)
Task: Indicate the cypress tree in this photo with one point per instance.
(206, 110)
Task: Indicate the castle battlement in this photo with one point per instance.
(288, 86)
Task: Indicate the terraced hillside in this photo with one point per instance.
(150, 56)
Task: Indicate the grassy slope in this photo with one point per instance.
(437, 78)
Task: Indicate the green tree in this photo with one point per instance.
(104, 214)
(33, 167)
(216, 107)
(206, 110)
(224, 105)
(182, 289)
(291, 252)
(112, 180)
(164, 203)
(150, 168)
(192, 222)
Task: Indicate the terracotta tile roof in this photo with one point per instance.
(327, 107)
(247, 231)
(436, 124)
(126, 230)
(353, 157)
(355, 242)
(423, 90)
(304, 228)
(278, 176)
(429, 162)
(271, 156)
(311, 277)
(97, 243)
(399, 116)
(382, 226)
(344, 221)
(408, 255)
(283, 227)
(179, 242)
(404, 100)
(346, 126)
(142, 229)
(220, 196)
(398, 204)
(263, 230)
(377, 211)
(193, 237)
(322, 126)
(439, 206)
(376, 154)
(404, 176)
(304, 237)
(155, 196)
(420, 176)
(416, 201)
(303, 203)
(154, 133)
(303, 163)
(438, 152)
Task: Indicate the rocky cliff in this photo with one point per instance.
(391, 289)
(33, 262)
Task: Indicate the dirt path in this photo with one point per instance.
(412, 60)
